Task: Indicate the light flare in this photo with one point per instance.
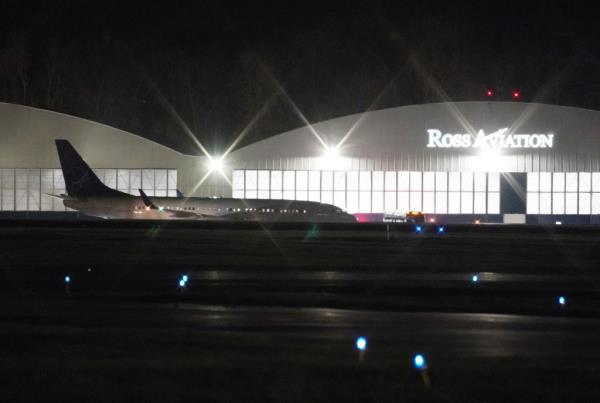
(488, 160)
(215, 164)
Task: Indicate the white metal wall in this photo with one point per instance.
(448, 161)
(396, 139)
(28, 189)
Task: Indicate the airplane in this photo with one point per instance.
(88, 195)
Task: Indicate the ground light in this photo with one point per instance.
(419, 362)
(361, 346)
(441, 230)
(562, 301)
(361, 343)
(474, 278)
(421, 365)
(67, 282)
(185, 278)
(418, 229)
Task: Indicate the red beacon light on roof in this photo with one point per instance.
(489, 93)
(516, 94)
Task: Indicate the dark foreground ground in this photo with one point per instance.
(272, 313)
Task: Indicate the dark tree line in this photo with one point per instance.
(223, 85)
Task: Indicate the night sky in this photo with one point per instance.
(221, 67)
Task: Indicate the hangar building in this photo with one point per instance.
(30, 169)
(456, 162)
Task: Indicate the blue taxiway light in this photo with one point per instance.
(562, 300)
(67, 279)
(418, 228)
(441, 230)
(184, 278)
(361, 343)
(419, 361)
(474, 278)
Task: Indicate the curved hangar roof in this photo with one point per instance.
(27, 141)
(522, 136)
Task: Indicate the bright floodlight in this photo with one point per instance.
(331, 158)
(215, 164)
(488, 160)
(475, 278)
(361, 343)
(562, 300)
(419, 361)
(67, 279)
(331, 153)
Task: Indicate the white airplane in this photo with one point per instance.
(88, 195)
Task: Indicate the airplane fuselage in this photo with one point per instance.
(175, 208)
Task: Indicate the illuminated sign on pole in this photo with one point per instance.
(495, 140)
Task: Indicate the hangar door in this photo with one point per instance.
(513, 199)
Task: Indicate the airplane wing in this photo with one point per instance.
(183, 214)
(61, 196)
(171, 212)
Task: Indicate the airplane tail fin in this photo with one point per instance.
(80, 180)
(147, 200)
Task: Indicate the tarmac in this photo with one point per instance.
(272, 312)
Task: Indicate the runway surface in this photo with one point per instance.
(272, 314)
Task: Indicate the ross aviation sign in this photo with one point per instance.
(497, 139)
